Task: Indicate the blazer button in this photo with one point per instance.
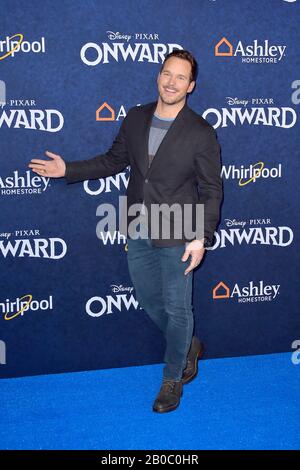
(146, 180)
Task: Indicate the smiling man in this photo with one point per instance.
(175, 159)
(174, 82)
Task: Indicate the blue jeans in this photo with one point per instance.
(165, 293)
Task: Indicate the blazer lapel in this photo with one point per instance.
(144, 161)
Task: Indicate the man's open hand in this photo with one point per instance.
(54, 168)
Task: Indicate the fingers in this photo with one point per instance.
(185, 256)
(39, 162)
(36, 166)
(195, 261)
(39, 172)
(190, 268)
(52, 155)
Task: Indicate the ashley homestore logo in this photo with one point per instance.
(251, 292)
(256, 52)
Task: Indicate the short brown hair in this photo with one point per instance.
(186, 55)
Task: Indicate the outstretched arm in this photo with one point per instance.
(111, 163)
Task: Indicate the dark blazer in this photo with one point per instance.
(186, 167)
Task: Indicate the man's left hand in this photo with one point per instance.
(196, 250)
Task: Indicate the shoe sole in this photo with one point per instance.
(166, 410)
(192, 377)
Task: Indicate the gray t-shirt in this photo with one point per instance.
(159, 128)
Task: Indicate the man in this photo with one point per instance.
(175, 159)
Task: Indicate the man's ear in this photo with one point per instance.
(191, 86)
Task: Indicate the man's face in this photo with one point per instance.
(174, 81)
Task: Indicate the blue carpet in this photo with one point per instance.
(234, 403)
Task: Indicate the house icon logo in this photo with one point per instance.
(224, 44)
(103, 110)
(221, 291)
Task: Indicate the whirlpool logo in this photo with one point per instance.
(24, 306)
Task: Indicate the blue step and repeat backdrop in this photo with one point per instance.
(69, 72)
